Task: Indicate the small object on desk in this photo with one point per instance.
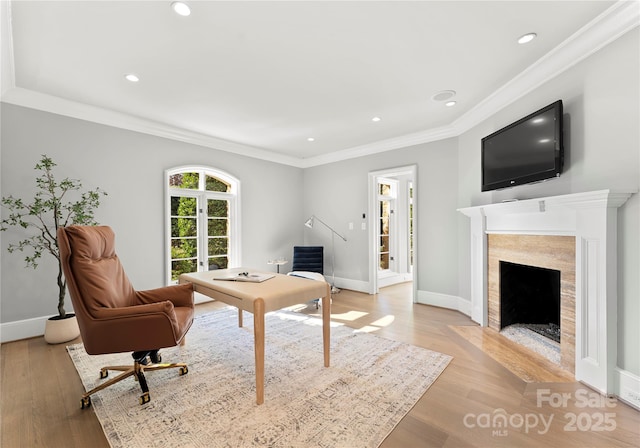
(279, 262)
(246, 277)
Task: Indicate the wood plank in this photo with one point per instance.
(17, 399)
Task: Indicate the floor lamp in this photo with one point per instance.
(309, 223)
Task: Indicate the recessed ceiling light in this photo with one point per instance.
(181, 8)
(450, 103)
(527, 38)
(444, 95)
(131, 77)
(311, 139)
(376, 119)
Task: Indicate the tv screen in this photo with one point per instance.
(529, 150)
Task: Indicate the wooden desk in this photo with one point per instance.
(260, 298)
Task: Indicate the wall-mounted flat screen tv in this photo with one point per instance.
(528, 150)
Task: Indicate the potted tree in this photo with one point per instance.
(50, 208)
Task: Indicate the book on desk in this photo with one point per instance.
(246, 277)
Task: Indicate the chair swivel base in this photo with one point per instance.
(137, 371)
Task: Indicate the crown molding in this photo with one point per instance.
(403, 141)
(617, 20)
(61, 106)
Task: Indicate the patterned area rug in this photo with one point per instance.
(371, 384)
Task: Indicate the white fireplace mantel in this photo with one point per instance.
(592, 218)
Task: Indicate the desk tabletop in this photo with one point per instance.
(277, 292)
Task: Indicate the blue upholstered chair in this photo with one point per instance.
(308, 262)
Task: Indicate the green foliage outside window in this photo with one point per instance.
(185, 180)
(184, 232)
(215, 184)
(184, 225)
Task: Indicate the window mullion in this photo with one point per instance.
(202, 233)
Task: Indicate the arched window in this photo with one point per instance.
(202, 220)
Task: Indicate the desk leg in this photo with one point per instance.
(239, 317)
(326, 325)
(258, 332)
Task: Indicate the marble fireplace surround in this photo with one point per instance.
(590, 220)
(545, 251)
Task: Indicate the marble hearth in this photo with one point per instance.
(545, 251)
(554, 231)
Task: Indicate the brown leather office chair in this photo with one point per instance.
(112, 316)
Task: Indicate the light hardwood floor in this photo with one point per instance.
(41, 390)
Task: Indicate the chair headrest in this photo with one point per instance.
(92, 242)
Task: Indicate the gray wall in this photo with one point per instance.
(130, 167)
(338, 194)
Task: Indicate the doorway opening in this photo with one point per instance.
(392, 218)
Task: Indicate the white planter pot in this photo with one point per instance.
(57, 331)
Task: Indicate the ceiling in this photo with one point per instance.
(261, 78)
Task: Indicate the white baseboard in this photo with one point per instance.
(346, 283)
(627, 387)
(394, 279)
(464, 306)
(445, 301)
(22, 329)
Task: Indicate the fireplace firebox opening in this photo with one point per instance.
(530, 296)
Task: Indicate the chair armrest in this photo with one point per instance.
(179, 295)
(137, 327)
(164, 307)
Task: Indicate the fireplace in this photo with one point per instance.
(529, 261)
(580, 227)
(530, 296)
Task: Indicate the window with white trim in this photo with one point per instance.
(202, 221)
(387, 195)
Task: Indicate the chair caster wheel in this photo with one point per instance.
(155, 357)
(85, 402)
(184, 370)
(103, 373)
(145, 398)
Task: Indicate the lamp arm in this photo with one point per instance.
(329, 227)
